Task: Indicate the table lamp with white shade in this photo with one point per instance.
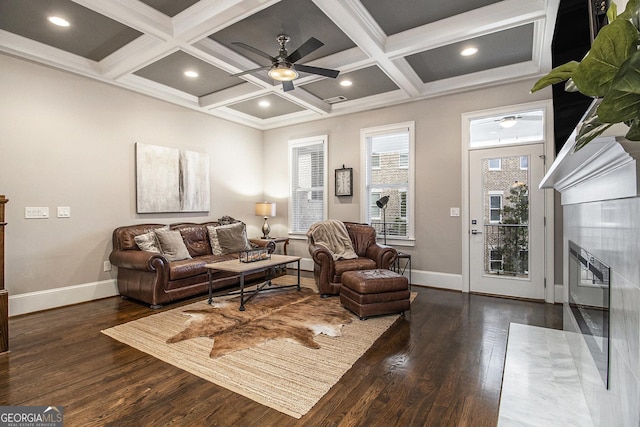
(265, 210)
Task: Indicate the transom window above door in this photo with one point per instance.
(507, 129)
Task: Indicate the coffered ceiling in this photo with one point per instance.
(391, 51)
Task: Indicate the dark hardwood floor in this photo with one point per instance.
(440, 366)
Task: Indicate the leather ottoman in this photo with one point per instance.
(374, 292)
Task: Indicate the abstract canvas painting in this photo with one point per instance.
(171, 180)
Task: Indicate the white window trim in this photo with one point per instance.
(401, 166)
(496, 193)
(379, 217)
(301, 142)
(376, 167)
(405, 192)
(526, 168)
(499, 168)
(492, 260)
(410, 240)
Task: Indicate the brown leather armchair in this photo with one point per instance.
(371, 255)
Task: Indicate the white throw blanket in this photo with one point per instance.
(333, 235)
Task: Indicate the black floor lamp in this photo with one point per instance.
(382, 204)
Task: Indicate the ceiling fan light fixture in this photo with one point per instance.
(508, 122)
(283, 73)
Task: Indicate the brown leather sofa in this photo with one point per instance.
(371, 255)
(149, 277)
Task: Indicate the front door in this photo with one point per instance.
(506, 214)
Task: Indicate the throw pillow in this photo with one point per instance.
(148, 241)
(233, 238)
(213, 240)
(172, 245)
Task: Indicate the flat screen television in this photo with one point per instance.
(577, 24)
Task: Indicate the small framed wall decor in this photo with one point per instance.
(344, 181)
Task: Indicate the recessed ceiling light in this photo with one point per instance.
(264, 103)
(469, 51)
(190, 73)
(60, 22)
(346, 83)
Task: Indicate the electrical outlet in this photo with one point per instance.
(107, 266)
(454, 211)
(64, 212)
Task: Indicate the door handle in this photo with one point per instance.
(474, 231)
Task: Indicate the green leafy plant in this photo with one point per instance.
(611, 71)
(515, 242)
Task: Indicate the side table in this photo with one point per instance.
(401, 264)
(277, 240)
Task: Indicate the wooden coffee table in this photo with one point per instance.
(244, 268)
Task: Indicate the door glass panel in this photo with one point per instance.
(506, 217)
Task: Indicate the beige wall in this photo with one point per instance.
(438, 166)
(66, 140)
(69, 141)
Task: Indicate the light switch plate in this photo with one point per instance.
(454, 211)
(36, 212)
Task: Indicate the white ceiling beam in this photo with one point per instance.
(232, 95)
(221, 56)
(134, 14)
(189, 31)
(136, 55)
(210, 16)
(306, 100)
(489, 19)
(356, 22)
(35, 51)
(495, 76)
(160, 91)
(544, 36)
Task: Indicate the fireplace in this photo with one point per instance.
(589, 295)
(599, 189)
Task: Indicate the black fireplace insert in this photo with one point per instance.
(589, 280)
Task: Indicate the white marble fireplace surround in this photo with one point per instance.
(601, 209)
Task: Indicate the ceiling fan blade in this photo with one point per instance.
(287, 86)
(304, 50)
(254, 70)
(317, 70)
(254, 50)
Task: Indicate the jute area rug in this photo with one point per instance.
(280, 374)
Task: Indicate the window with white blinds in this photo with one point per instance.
(388, 159)
(308, 178)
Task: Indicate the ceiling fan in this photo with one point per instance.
(511, 120)
(283, 67)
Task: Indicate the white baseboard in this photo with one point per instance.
(51, 298)
(434, 279)
(558, 293)
(306, 264)
(59, 297)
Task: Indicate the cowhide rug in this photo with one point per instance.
(278, 314)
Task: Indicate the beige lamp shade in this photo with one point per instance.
(265, 209)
